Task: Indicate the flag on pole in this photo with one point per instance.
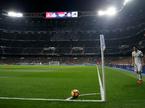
(103, 47)
(102, 42)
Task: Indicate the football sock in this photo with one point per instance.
(137, 76)
(140, 77)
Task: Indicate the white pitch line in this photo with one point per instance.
(88, 94)
(44, 99)
(69, 98)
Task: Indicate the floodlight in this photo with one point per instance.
(15, 14)
(101, 13)
(126, 1)
(111, 11)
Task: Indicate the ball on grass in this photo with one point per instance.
(75, 93)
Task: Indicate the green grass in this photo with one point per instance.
(58, 81)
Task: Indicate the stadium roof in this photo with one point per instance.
(57, 5)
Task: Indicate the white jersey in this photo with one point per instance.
(137, 57)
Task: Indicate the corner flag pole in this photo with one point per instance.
(103, 47)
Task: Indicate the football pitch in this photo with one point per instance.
(56, 82)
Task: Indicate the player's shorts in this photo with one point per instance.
(138, 67)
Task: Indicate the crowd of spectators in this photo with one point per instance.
(65, 60)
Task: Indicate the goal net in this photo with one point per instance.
(54, 63)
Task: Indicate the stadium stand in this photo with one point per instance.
(69, 37)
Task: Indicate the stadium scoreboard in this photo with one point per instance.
(53, 15)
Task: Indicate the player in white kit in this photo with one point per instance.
(137, 59)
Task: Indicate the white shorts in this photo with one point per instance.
(138, 67)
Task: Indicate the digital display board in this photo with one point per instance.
(61, 14)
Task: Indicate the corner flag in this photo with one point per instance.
(102, 42)
(103, 47)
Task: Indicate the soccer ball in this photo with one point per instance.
(75, 93)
